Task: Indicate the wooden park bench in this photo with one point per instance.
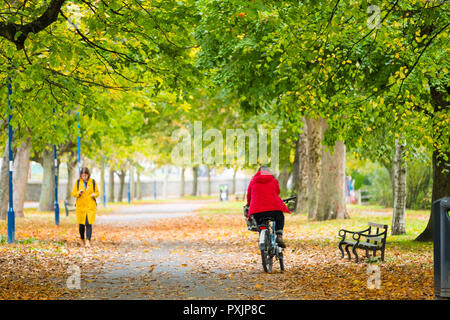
(364, 240)
(68, 207)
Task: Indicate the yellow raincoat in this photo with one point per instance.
(85, 204)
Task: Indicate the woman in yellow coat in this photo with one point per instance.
(86, 192)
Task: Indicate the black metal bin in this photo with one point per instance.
(441, 247)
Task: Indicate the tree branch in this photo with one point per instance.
(17, 33)
(411, 68)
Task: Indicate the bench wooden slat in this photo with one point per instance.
(368, 245)
(377, 239)
(363, 243)
(377, 225)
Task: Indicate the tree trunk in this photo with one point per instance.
(22, 166)
(315, 136)
(233, 190)
(441, 189)
(47, 198)
(195, 181)
(283, 178)
(121, 175)
(209, 181)
(166, 182)
(331, 204)
(111, 185)
(102, 182)
(71, 177)
(138, 186)
(132, 186)
(441, 172)
(182, 191)
(4, 192)
(296, 165)
(398, 216)
(302, 179)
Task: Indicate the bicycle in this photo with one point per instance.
(267, 244)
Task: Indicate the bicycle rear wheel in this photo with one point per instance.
(266, 256)
(281, 259)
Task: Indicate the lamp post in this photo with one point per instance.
(11, 216)
(129, 186)
(56, 186)
(104, 183)
(79, 143)
(55, 168)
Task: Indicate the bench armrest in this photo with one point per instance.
(379, 237)
(342, 232)
(375, 237)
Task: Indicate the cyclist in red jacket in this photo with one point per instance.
(263, 201)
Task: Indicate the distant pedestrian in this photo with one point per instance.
(86, 191)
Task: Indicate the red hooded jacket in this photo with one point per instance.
(263, 194)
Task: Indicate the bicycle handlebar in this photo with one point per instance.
(289, 199)
(284, 200)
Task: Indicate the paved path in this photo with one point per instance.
(155, 269)
(145, 212)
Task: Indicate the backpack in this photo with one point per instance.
(78, 188)
(251, 222)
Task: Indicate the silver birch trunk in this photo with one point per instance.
(398, 216)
